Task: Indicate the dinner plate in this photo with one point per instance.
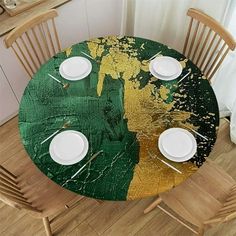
(75, 68)
(177, 144)
(165, 68)
(68, 147)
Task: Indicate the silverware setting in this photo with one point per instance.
(80, 169)
(184, 76)
(197, 133)
(65, 86)
(200, 135)
(90, 57)
(166, 163)
(151, 58)
(66, 125)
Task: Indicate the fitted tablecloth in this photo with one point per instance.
(122, 109)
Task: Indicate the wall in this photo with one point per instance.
(78, 20)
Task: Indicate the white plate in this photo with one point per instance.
(75, 68)
(165, 68)
(68, 147)
(177, 144)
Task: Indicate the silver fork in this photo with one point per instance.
(154, 56)
(65, 86)
(66, 125)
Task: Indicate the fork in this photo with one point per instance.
(65, 86)
(154, 56)
(66, 125)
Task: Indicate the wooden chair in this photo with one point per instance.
(35, 193)
(207, 42)
(35, 41)
(208, 197)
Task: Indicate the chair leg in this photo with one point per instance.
(152, 205)
(47, 226)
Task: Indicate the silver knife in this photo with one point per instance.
(80, 169)
(93, 157)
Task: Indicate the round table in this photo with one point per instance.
(122, 109)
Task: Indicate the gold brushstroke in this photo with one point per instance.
(95, 49)
(183, 63)
(68, 51)
(164, 92)
(148, 115)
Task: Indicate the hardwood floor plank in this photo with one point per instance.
(73, 219)
(24, 227)
(108, 214)
(9, 147)
(9, 127)
(83, 229)
(158, 226)
(9, 216)
(132, 221)
(85, 208)
(227, 229)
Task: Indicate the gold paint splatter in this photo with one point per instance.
(95, 49)
(147, 114)
(153, 79)
(68, 51)
(183, 63)
(164, 92)
(152, 176)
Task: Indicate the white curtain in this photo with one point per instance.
(224, 83)
(165, 21)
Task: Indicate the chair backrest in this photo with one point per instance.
(11, 193)
(227, 211)
(207, 42)
(35, 41)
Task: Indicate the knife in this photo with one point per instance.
(80, 169)
(93, 157)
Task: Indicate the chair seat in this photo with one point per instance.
(207, 188)
(45, 195)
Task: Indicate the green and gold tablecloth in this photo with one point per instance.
(122, 109)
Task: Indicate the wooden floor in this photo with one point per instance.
(90, 218)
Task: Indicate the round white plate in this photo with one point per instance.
(177, 144)
(68, 147)
(75, 68)
(165, 68)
